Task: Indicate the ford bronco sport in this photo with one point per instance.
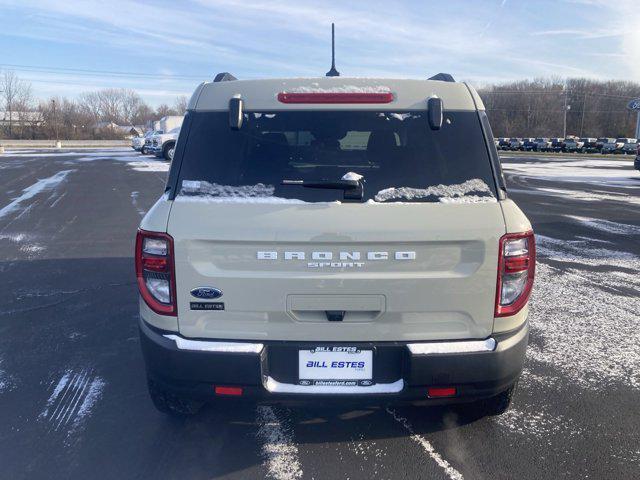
(334, 238)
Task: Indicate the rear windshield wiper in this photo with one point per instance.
(353, 189)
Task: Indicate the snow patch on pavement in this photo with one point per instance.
(134, 202)
(72, 400)
(607, 226)
(581, 195)
(33, 190)
(451, 472)
(279, 451)
(578, 251)
(149, 166)
(538, 424)
(6, 382)
(25, 243)
(584, 321)
(618, 173)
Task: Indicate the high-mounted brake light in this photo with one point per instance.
(336, 97)
(155, 271)
(516, 271)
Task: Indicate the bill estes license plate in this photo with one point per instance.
(335, 366)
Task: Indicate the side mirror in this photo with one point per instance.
(435, 113)
(235, 113)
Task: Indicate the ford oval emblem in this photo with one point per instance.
(206, 292)
(634, 104)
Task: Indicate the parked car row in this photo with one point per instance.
(160, 142)
(570, 144)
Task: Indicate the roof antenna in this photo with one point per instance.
(333, 72)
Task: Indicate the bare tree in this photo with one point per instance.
(164, 110)
(130, 103)
(17, 98)
(180, 105)
(536, 107)
(143, 115)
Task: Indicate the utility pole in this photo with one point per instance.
(584, 105)
(55, 119)
(565, 108)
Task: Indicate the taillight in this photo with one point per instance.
(155, 271)
(335, 97)
(516, 271)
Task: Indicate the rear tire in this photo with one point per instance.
(143, 151)
(171, 404)
(497, 405)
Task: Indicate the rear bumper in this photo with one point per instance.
(267, 372)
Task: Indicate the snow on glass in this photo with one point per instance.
(471, 191)
(200, 190)
(315, 88)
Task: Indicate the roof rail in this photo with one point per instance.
(442, 77)
(224, 77)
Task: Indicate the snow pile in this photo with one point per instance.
(352, 176)
(584, 315)
(315, 88)
(278, 448)
(471, 191)
(202, 191)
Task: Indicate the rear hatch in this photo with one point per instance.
(414, 259)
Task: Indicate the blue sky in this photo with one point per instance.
(165, 49)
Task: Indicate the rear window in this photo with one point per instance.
(398, 157)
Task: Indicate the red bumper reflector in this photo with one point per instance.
(235, 391)
(439, 392)
(342, 97)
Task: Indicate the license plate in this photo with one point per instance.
(335, 366)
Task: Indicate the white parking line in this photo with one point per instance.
(451, 472)
(278, 448)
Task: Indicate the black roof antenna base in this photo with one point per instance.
(224, 77)
(333, 72)
(443, 77)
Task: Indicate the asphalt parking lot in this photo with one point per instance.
(73, 400)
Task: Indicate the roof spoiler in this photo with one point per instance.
(224, 77)
(442, 77)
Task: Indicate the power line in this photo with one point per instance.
(555, 92)
(91, 72)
